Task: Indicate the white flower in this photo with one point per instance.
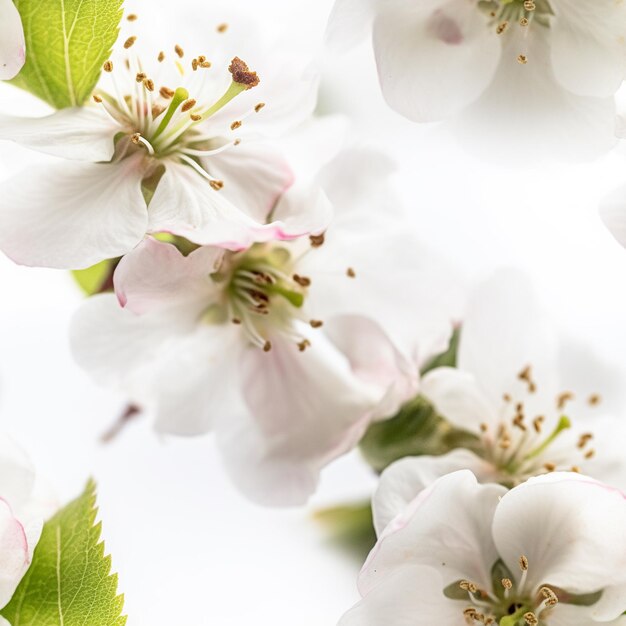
(281, 349)
(534, 403)
(182, 134)
(20, 517)
(550, 552)
(541, 71)
(12, 46)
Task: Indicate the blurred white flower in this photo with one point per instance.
(12, 45)
(534, 403)
(551, 551)
(282, 349)
(20, 517)
(541, 72)
(182, 135)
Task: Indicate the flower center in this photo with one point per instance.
(167, 121)
(522, 446)
(262, 293)
(509, 602)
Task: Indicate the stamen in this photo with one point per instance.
(108, 66)
(130, 42)
(267, 346)
(235, 125)
(350, 273)
(242, 75)
(563, 398)
(317, 240)
(132, 17)
(303, 281)
(179, 51)
(531, 619)
(222, 28)
(180, 95)
(259, 106)
(138, 139)
(97, 98)
(316, 323)
(161, 57)
(564, 424)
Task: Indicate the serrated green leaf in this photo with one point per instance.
(69, 582)
(67, 42)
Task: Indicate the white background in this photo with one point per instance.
(188, 548)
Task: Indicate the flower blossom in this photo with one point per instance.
(550, 552)
(170, 142)
(12, 45)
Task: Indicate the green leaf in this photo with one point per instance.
(69, 582)
(67, 42)
(97, 278)
(447, 358)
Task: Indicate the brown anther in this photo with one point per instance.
(303, 345)
(236, 142)
(195, 117)
(506, 397)
(222, 28)
(524, 22)
(317, 240)
(259, 106)
(563, 398)
(530, 5)
(179, 51)
(594, 399)
(108, 66)
(97, 98)
(188, 105)
(236, 320)
(505, 444)
(531, 619)
(590, 454)
(140, 77)
(132, 17)
(502, 27)
(507, 583)
(551, 598)
(523, 563)
(135, 137)
(149, 84)
(518, 421)
(201, 58)
(350, 273)
(303, 281)
(549, 466)
(242, 75)
(537, 422)
(205, 64)
(470, 614)
(575, 469)
(466, 585)
(316, 323)
(167, 93)
(584, 439)
(130, 42)
(522, 59)
(235, 125)
(216, 184)
(161, 57)
(194, 64)
(157, 109)
(267, 346)
(484, 427)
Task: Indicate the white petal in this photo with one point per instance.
(15, 553)
(526, 107)
(306, 408)
(432, 65)
(17, 475)
(156, 276)
(588, 53)
(186, 205)
(571, 528)
(405, 479)
(504, 331)
(349, 23)
(82, 134)
(410, 595)
(255, 176)
(12, 46)
(447, 527)
(74, 216)
(613, 213)
(458, 396)
(570, 615)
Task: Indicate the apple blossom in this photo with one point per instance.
(540, 72)
(534, 402)
(12, 45)
(169, 143)
(20, 517)
(283, 348)
(550, 552)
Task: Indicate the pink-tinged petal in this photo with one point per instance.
(186, 205)
(613, 213)
(458, 396)
(375, 360)
(432, 64)
(12, 45)
(72, 216)
(82, 134)
(405, 479)
(410, 595)
(588, 52)
(304, 409)
(15, 553)
(571, 528)
(255, 176)
(155, 276)
(446, 527)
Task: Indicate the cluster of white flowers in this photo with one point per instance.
(288, 314)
